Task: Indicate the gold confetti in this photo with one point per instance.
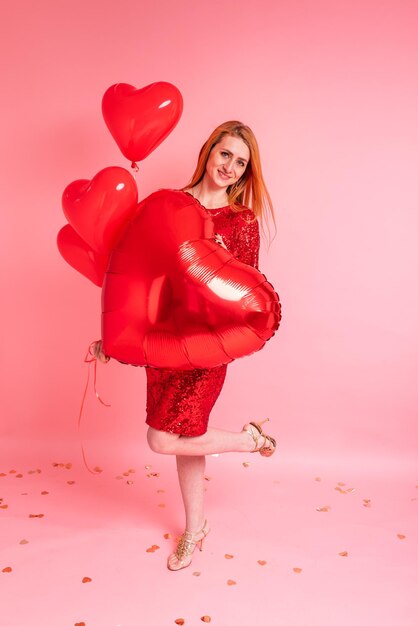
(230, 582)
(23, 541)
(153, 474)
(126, 473)
(208, 478)
(86, 579)
(323, 509)
(129, 482)
(148, 467)
(196, 573)
(366, 503)
(206, 619)
(167, 536)
(351, 490)
(68, 465)
(401, 536)
(318, 479)
(341, 484)
(4, 506)
(80, 624)
(131, 471)
(340, 490)
(245, 464)
(229, 556)
(70, 482)
(12, 471)
(19, 476)
(297, 570)
(3, 474)
(36, 515)
(44, 493)
(179, 621)
(344, 553)
(7, 569)
(153, 548)
(97, 469)
(261, 562)
(160, 490)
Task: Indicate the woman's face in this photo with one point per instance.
(227, 161)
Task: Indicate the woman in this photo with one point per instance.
(227, 182)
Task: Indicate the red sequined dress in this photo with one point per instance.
(180, 401)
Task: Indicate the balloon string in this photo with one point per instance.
(88, 360)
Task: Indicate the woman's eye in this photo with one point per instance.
(224, 154)
(241, 163)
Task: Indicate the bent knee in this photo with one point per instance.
(160, 441)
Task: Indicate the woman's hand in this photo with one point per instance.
(98, 352)
(220, 241)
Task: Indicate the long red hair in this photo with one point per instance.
(250, 190)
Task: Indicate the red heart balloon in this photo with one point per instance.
(80, 256)
(140, 119)
(174, 298)
(99, 209)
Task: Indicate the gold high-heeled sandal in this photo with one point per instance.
(182, 557)
(264, 450)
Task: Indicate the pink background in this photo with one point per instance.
(330, 90)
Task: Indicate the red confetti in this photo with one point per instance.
(80, 624)
(70, 482)
(179, 621)
(345, 553)
(36, 515)
(206, 619)
(261, 562)
(86, 579)
(44, 493)
(230, 582)
(153, 548)
(401, 536)
(229, 556)
(6, 569)
(23, 541)
(297, 570)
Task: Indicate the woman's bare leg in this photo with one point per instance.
(213, 441)
(191, 471)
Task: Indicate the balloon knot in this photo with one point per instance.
(134, 166)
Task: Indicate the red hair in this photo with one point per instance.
(250, 190)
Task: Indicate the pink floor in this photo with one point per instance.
(312, 543)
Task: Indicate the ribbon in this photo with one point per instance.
(89, 358)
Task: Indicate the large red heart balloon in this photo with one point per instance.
(80, 256)
(174, 298)
(98, 209)
(140, 119)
